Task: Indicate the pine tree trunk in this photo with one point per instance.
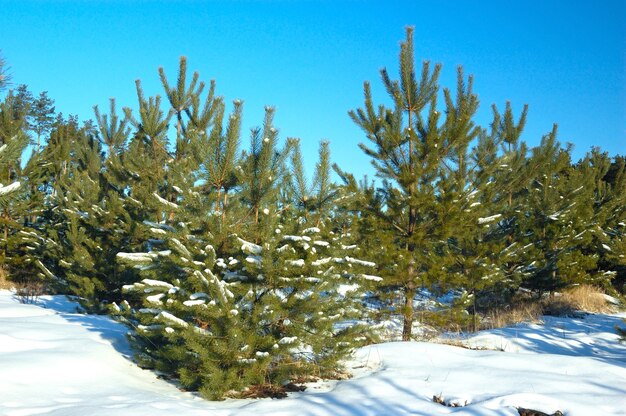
(5, 214)
(224, 203)
(409, 294)
(474, 320)
(178, 123)
(218, 201)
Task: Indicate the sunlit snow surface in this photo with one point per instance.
(54, 361)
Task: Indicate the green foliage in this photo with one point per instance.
(181, 98)
(13, 140)
(560, 222)
(10, 153)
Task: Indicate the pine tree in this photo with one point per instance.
(113, 132)
(97, 228)
(218, 153)
(10, 153)
(181, 266)
(608, 221)
(411, 152)
(23, 102)
(484, 246)
(241, 290)
(11, 185)
(558, 219)
(262, 170)
(615, 186)
(13, 140)
(511, 176)
(316, 200)
(147, 158)
(13, 112)
(5, 77)
(82, 220)
(41, 116)
(467, 202)
(59, 219)
(373, 236)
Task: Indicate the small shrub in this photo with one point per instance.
(29, 292)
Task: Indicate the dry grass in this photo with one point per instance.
(269, 390)
(584, 298)
(5, 283)
(526, 311)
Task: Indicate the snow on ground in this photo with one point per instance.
(54, 361)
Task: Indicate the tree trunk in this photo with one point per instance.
(409, 294)
(474, 317)
(5, 215)
(224, 203)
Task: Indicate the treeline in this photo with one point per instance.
(239, 273)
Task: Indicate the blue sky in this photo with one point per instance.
(309, 59)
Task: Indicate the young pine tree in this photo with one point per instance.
(41, 117)
(558, 218)
(607, 223)
(13, 140)
(411, 150)
(253, 308)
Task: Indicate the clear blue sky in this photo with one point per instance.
(566, 59)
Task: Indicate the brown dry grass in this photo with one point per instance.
(526, 311)
(582, 298)
(5, 283)
(269, 390)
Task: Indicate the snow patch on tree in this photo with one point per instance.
(165, 201)
(371, 277)
(171, 318)
(250, 248)
(486, 220)
(287, 340)
(9, 188)
(158, 283)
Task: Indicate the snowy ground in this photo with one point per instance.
(57, 362)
